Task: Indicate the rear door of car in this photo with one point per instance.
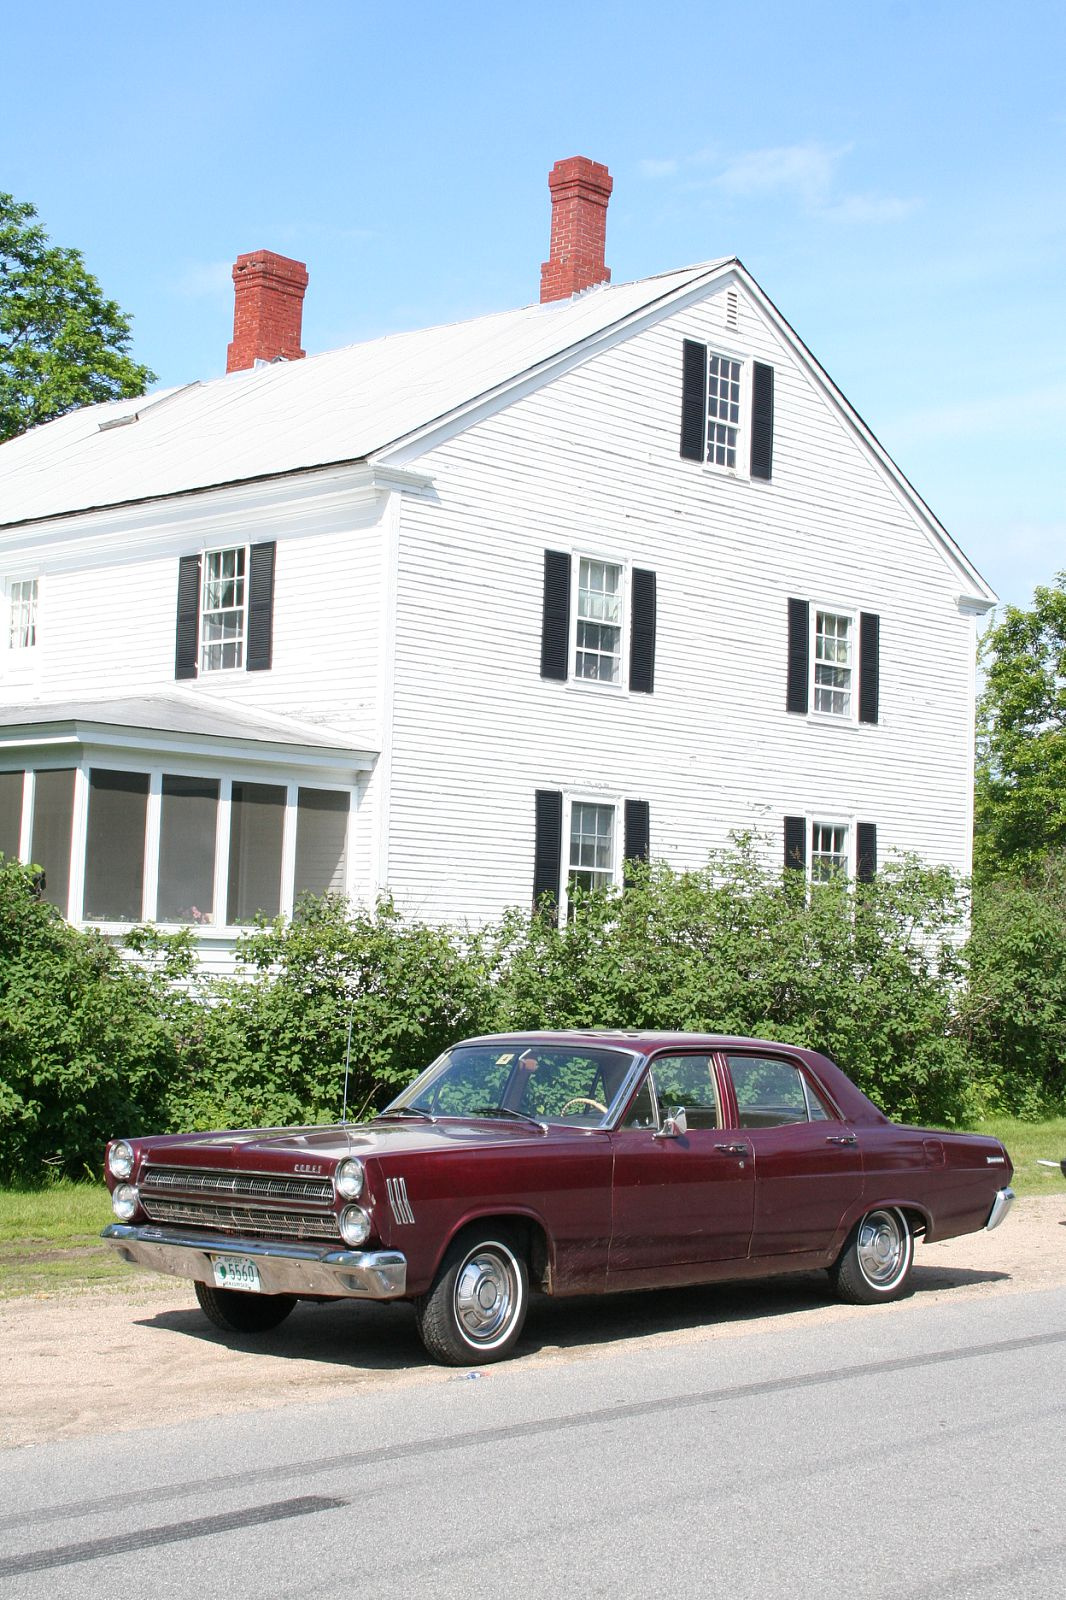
(682, 1202)
(808, 1166)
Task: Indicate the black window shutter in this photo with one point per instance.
(799, 646)
(694, 401)
(642, 633)
(762, 421)
(796, 842)
(187, 637)
(638, 830)
(548, 849)
(865, 851)
(555, 625)
(869, 666)
(260, 607)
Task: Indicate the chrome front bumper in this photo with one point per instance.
(1000, 1206)
(301, 1269)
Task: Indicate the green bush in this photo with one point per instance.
(86, 1038)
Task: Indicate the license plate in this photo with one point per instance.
(236, 1272)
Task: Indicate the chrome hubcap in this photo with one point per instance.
(883, 1245)
(486, 1295)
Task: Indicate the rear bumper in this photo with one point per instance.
(1000, 1206)
(290, 1268)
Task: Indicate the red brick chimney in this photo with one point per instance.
(580, 190)
(267, 309)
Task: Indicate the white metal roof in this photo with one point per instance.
(339, 406)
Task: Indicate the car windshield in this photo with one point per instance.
(515, 1079)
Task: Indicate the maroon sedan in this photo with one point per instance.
(579, 1163)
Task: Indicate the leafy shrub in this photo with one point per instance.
(86, 1045)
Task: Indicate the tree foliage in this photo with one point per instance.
(63, 344)
(1021, 771)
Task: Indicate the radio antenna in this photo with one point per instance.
(348, 1062)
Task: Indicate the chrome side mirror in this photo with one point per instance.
(675, 1124)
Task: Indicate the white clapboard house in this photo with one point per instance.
(470, 613)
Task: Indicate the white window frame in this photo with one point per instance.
(17, 602)
(625, 584)
(841, 718)
(589, 797)
(742, 466)
(203, 611)
(847, 855)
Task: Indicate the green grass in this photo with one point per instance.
(50, 1239)
(1026, 1142)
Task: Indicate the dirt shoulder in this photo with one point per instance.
(110, 1359)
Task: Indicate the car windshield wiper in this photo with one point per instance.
(506, 1111)
(405, 1111)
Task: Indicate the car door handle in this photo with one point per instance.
(841, 1138)
(732, 1149)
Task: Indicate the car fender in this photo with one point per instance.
(875, 1202)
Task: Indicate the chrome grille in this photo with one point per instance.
(236, 1185)
(278, 1223)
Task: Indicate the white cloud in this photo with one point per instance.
(870, 208)
(206, 280)
(988, 416)
(651, 168)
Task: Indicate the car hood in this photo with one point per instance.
(315, 1149)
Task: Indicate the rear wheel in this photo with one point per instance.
(234, 1311)
(475, 1311)
(875, 1264)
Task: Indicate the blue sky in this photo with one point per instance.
(893, 175)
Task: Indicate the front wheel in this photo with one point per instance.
(475, 1311)
(235, 1311)
(875, 1264)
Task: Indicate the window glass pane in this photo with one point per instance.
(114, 846)
(187, 818)
(222, 610)
(599, 621)
(257, 820)
(22, 633)
(769, 1092)
(53, 819)
(829, 851)
(687, 1081)
(10, 813)
(832, 664)
(321, 842)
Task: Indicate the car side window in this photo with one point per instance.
(641, 1113)
(687, 1081)
(772, 1093)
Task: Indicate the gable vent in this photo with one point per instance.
(732, 308)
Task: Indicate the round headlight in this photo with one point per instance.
(120, 1159)
(355, 1225)
(124, 1202)
(350, 1178)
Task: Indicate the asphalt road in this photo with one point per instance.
(902, 1454)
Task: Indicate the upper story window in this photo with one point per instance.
(223, 610)
(590, 607)
(723, 399)
(723, 409)
(22, 614)
(832, 662)
(598, 642)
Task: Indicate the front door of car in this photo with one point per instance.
(679, 1202)
(808, 1166)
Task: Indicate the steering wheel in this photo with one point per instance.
(582, 1100)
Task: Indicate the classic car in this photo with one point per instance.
(573, 1163)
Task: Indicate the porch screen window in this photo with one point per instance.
(321, 842)
(188, 814)
(257, 821)
(114, 846)
(10, 814)
(53, 819)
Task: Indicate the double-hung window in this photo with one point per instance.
(832, 660)
(22, 614)
(727, 411)
(592, 854)
(598, 636)
(829, 851)
(723, 409)
(223, 609)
